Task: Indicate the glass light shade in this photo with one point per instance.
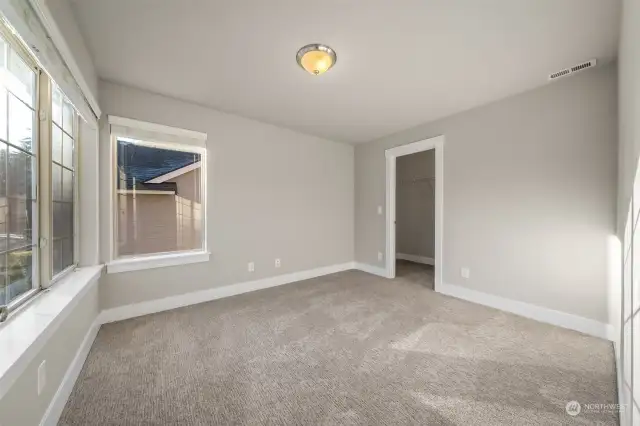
(316, 58)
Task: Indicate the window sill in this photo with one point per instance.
(27, 330)
(159, 261)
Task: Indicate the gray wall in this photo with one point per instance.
(629, 134)
(529, 194)
(273, 193)
(22, 405)
(62, 13)
(415, 204)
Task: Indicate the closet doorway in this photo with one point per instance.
(414, 206)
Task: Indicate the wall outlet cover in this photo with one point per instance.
(251, 267)
(464, 273)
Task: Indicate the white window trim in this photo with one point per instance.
(196, 143)
(157, 261)
(28, 329)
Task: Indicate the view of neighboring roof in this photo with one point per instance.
(139, 164)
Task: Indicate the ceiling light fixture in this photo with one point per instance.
(316, 58)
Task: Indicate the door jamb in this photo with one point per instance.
(391, 155)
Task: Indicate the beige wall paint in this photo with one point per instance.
(415, 204)
(22, 405)
(272, 193)
(529, 194)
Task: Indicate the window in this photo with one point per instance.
(630, 312)
(158, 191)
(63, 130)
(37, 208)
(18, 175)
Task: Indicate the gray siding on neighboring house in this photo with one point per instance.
(161, 222)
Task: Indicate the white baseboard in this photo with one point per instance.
(375, 270)
(54, 411)
(538, 313)
(418, 259)
(178, 301)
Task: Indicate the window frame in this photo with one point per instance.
(42, 252)
(49, 278)
(163, 137)
(13, 42)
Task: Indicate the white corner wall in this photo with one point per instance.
(529, 195)
(273, 193)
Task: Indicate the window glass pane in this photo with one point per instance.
(164, 214)
(67, 151)
(67, 252)
(4, 202)
(67, 185)
(3, 279)
(20, 124)
(67, 117)
(626, 287)
(56, 144)
(20, 271)
(627, 231)
(62, 219)
(56, 182)
(25, 79)
(62, 183)
(636, 272)
(636, 357)
(56, 106)
(3, 113)
(57, 256)
(626, 356)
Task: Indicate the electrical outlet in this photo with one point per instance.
(277, 263)
(464, 273)
(251, 267)
(379, 256)
(379, 209)
(42, 376)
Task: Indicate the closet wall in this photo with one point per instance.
(415, 204)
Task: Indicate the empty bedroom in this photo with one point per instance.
(299, 213)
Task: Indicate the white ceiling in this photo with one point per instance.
(400, 62)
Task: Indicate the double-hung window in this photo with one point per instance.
(159, 195)
(38, 133)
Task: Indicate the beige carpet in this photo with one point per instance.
(348, 349)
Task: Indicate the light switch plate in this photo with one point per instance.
(464, 273)
(251, 267)
(379, 209)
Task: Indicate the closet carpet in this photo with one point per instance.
(344, 349)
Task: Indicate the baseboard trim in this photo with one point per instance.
(538, 313)
(158, 305)
(375, 270)
(54, 411)
(418, 259)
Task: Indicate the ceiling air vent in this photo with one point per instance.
(576, 68)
